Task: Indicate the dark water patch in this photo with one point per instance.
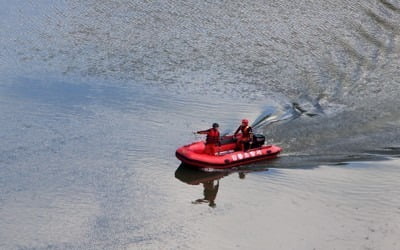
(51, 92)
(80, 94)
(314, 161)
(386, 151)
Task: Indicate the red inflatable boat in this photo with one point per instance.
(227, 155)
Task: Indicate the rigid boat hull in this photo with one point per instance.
(226, 157)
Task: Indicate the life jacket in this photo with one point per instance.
(246, 131)
(212, 136)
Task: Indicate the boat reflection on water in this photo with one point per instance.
(209, 180)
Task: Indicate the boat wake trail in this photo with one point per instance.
(285, 113)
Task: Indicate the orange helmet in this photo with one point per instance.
(245, 121)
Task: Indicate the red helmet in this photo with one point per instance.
(245, 121)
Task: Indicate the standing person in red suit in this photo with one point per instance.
(247, 135)
(212, 140)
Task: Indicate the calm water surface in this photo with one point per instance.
(95, 97)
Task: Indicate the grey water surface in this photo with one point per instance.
(96, 96)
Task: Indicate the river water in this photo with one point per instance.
(95, 97)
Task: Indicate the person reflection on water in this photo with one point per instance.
(210, 193)
(212, 140)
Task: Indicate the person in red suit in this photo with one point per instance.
(247, 135)
(212, 139)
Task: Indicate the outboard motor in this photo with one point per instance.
(258, 140)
